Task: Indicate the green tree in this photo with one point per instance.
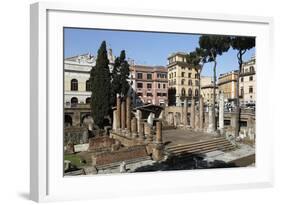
(172, 96)
(214, 46)
(241, 44)
(124, 74)
(100, 85)
(119, 78)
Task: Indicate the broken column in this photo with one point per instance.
(147, 132)
(118, 113)
(211, 120)
(114, 126)
(201, 113)
(123, 115)
(140, 131)
(185, 108)
(158, 147)
(221, 113)
(134, 127)
(128, 114)
(158, 132)
(192, 113)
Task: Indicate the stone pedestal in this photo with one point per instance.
(192, 113)
(158, 152)
(128, 114)
(123, 115)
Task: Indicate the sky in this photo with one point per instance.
(146, 48)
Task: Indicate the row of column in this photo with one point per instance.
(124, 123)
(196, 121)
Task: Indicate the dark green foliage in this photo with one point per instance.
(214, 46)
(242, 44)
(100, 85)
(120, 76)
(172, 96)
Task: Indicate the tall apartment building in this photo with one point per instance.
(247, 82)
(227, 84)
(150, 84)
(182, 77)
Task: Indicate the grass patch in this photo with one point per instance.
(75, 159)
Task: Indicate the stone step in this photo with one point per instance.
(197, 150)
(188, 146)
(199, 142)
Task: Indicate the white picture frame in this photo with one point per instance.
(46, 172)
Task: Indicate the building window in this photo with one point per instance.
(189, 75)
(139, 85)
(189, 92)
(158, 94)
(74, 85)
(182, 74)
(250, 89)
(175, 82)
(175, 74)
(159, 85)
(242, 79)
(88, 85)
(139, 94)
(139, 75)
(252, 69)
(74, 102)
(196, 92)
(242, 91)
(189, 82)
(149, 94)
(149, 76)
(148, 85)
(196, 82)
(182, 92)
(164, 94)
(164, 86)
(251, 78)
(88, 100)
(182, 81)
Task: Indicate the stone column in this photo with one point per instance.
(192, 113)
(185, 110)
(118, 113)
(139, 116)
(123, 115)
(141, 130)
(128, 113)
(134, 127)
(147, 132)
(197, 119)
(221, 113)
(114, 124)
(211, 121)
(201, 113)
(158, 132)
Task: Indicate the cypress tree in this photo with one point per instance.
(100, 86)
(124, 74)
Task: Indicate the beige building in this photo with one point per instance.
(182, 77)
(76, 78)
(207, 89)
(247, 82)
(227, 84)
